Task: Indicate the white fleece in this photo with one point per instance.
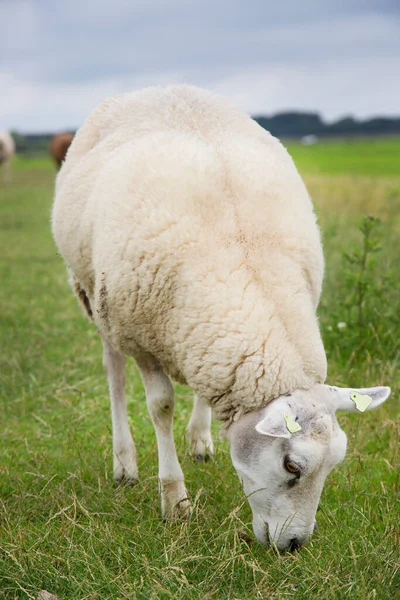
(7, 147)
(192, 234)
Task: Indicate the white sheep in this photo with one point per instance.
(192, 244)
(7, 151)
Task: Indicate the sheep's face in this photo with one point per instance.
(284, 452)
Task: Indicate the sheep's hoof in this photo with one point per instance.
(180, 512)
(125, 469)
(204, 458)
(175, 504)
(124, 480)
(201, 447)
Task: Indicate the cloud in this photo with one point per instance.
(51, 107)
(336, 88)
(60, 59)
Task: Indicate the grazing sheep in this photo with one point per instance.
(59, 145)
(7, 151)
(193, 246)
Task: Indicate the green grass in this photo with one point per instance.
(65, 528)
(369, 157)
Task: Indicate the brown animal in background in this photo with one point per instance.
(59, 146)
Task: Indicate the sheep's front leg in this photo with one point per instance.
(124, 451)
(160, 403)
(199, 430)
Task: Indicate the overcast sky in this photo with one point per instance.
(59, 59)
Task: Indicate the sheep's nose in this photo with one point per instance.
(294, 545)
(315, 526)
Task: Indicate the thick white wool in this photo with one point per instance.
(193, 236)
(7, 146)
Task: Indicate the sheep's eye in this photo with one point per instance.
(292, 467)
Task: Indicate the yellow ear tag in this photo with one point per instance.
(291, 425)
(360, 400)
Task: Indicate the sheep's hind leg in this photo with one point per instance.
(199, 431)
(160, 403)
(124, 451)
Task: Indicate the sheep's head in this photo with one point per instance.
(284, 452)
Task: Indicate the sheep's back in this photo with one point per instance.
(159, 185)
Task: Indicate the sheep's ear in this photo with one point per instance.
(360, 399)
(278, 423)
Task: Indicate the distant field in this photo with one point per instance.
(353, 157)
(63, 526)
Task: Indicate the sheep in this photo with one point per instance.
(192, 245)
(7, 151)
(59, 145)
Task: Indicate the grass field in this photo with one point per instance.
(66, 529)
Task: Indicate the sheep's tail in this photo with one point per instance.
(82, 296)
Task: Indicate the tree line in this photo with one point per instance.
(282, 125)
